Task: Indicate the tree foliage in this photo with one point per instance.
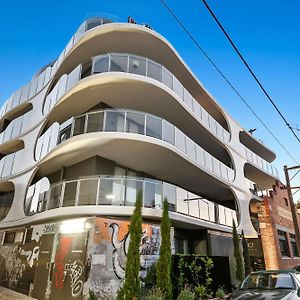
(131, 285)
(163, 268)
(246, 255)
(237, 254)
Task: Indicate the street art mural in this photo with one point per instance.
(109, 252)
(50, 264)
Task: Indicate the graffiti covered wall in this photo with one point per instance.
(109, 251)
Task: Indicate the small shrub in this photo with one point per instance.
(92, 295)
(220, 293)
(186, 294)
(201, 291)
(154, 294)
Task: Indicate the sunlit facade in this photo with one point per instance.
(118, 112)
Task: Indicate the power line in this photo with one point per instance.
(227, 80)
(251, 71)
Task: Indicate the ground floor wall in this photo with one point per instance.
(64, 260)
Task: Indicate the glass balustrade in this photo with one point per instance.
(122, 191)
(149, 125)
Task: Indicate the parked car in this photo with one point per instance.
(275, 285)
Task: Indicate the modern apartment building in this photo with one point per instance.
(117, 112)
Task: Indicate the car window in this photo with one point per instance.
(268, 281)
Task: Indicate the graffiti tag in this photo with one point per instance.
(16, 272)
(75, 270)
(31, 255)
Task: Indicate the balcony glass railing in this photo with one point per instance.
(261, 163)
(145, 124)
(122, 191)
(128, 63)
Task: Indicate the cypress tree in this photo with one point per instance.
(131, 286)
(237, 254)
(246, 255)
(163, 269)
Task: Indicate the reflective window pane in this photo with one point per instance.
(132, 188)
(101, 64)
(70, 193)
(182, 201)
(135, 122)
(167, 78)
(178, 88)
(79, 125)
(168, 132)
(153, 127)
(137, 65)
(169, 192)
(111, 192)
(114, 121)
(95, 122)
(118, 63)
(88, 192)
(154, 70)
(153, 194)
(179, 140)
(54, 199)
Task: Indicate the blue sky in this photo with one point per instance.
(267, 33)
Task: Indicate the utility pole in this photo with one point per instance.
(292, 204)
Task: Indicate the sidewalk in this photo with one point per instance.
(7, 294)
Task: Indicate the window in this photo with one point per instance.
(111, 191)
(100, 65)
(114, 121)
(137, 65)
(152, 194)
(28, 235)
(70, 193)
(95, 122)
(286, 202)
(283, 243)
(54, 199)
(154, 71)
(153, 127)
(79, 125)
(64, 134)
(88, 192)
(294, 245)
(135, 122)
(13, 237)
(118, 63)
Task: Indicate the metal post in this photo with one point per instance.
(292, 205)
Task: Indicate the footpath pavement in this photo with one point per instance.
(7, 294)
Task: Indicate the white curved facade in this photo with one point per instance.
(118, 112)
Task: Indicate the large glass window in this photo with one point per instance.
(153, 127)
(154, 70)
(95, 122)
(54, 199)
(88, 192)
(283, 243)
(114, 121)
(179, 140)
(135, 122)
(132, 188)
(70, 193)
(111, 192)
(169, 191)
(118, 63)
(137, 65)
(152, 194)
(100, 64)
(79, 125)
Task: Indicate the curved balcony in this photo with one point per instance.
(256, 146)
(17, 99)
(261, 165)
(142, 66)
(143, 124)
(107, 190)
(15, 128)
(6, 198)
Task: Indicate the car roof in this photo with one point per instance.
(287, 271)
